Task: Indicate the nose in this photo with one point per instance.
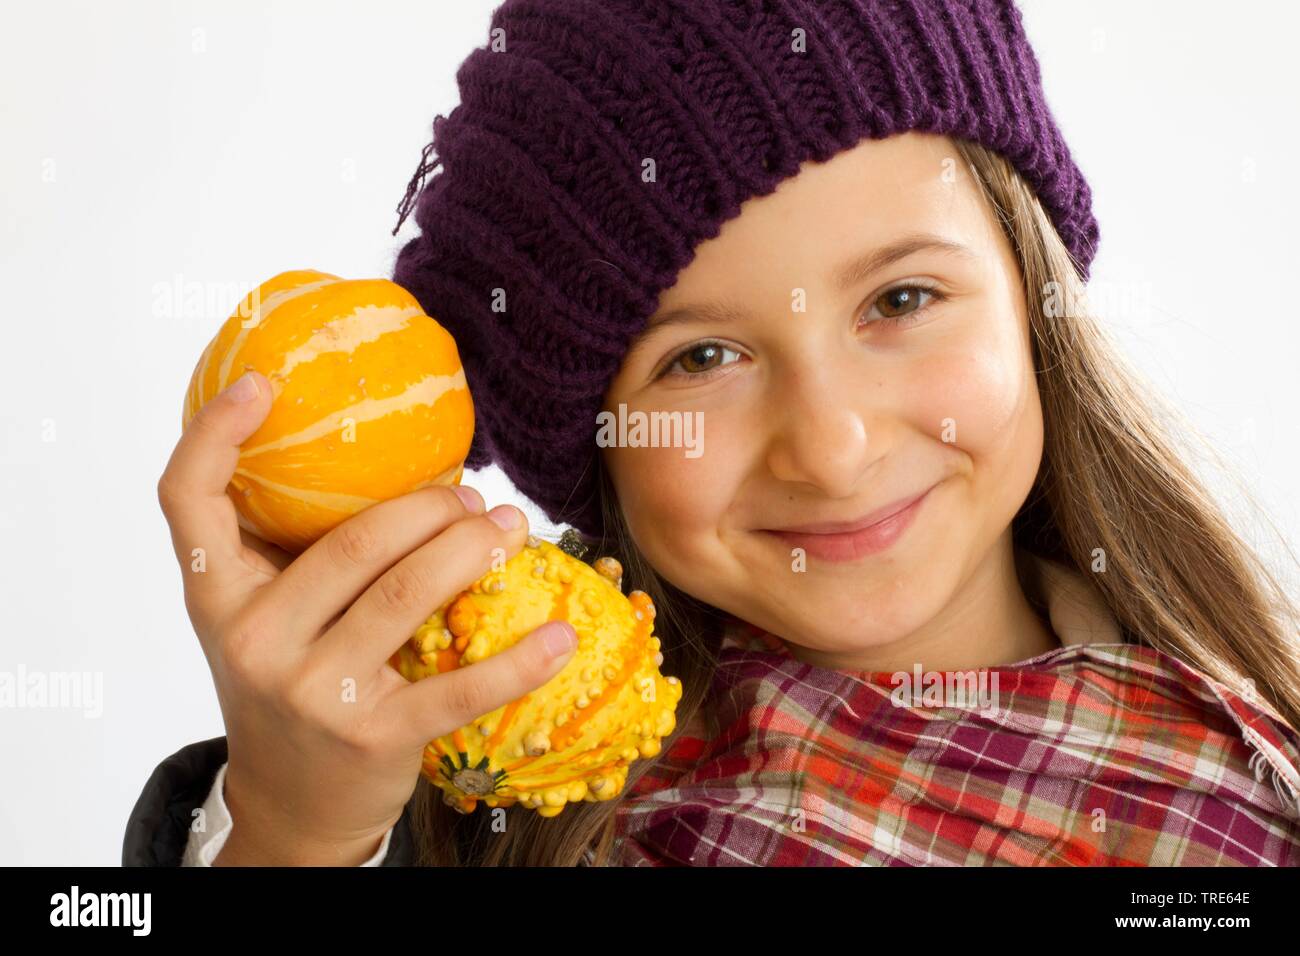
(824, 431)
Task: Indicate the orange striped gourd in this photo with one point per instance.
(370, 401)
(574, 738)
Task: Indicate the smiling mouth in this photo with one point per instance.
(859, 524)
(871, 534)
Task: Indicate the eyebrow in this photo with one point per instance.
(842, 279)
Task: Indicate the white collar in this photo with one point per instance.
(1075, 607)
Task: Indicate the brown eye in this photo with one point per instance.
(701, 358)
(901, 303)
(698, 361)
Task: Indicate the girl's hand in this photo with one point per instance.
(325, 738)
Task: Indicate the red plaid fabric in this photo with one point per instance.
(1097, 754)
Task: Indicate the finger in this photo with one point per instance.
(274, 555)
(192, 489)
(413, 715)
(329, 576)
(389, 611)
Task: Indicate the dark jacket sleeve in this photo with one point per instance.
(159, 825)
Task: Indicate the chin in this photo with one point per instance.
(834, 615)
(879, 599)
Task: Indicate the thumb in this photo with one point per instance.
(236, 411)
(192, 490)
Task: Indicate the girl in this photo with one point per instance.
(848, 239)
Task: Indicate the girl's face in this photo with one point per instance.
(855, 339)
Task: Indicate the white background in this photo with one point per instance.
(148, 146)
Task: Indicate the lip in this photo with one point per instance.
(848, 541)
(866, 521)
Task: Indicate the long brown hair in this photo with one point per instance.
(1114, 499)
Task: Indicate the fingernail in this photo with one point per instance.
(505, 517)
(559, 638)
(470, 498)
(244, 390)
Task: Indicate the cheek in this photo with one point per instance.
(979, 395)
(673, 501)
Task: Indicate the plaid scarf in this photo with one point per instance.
(1098, 753)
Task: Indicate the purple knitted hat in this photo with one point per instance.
(542, 250)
